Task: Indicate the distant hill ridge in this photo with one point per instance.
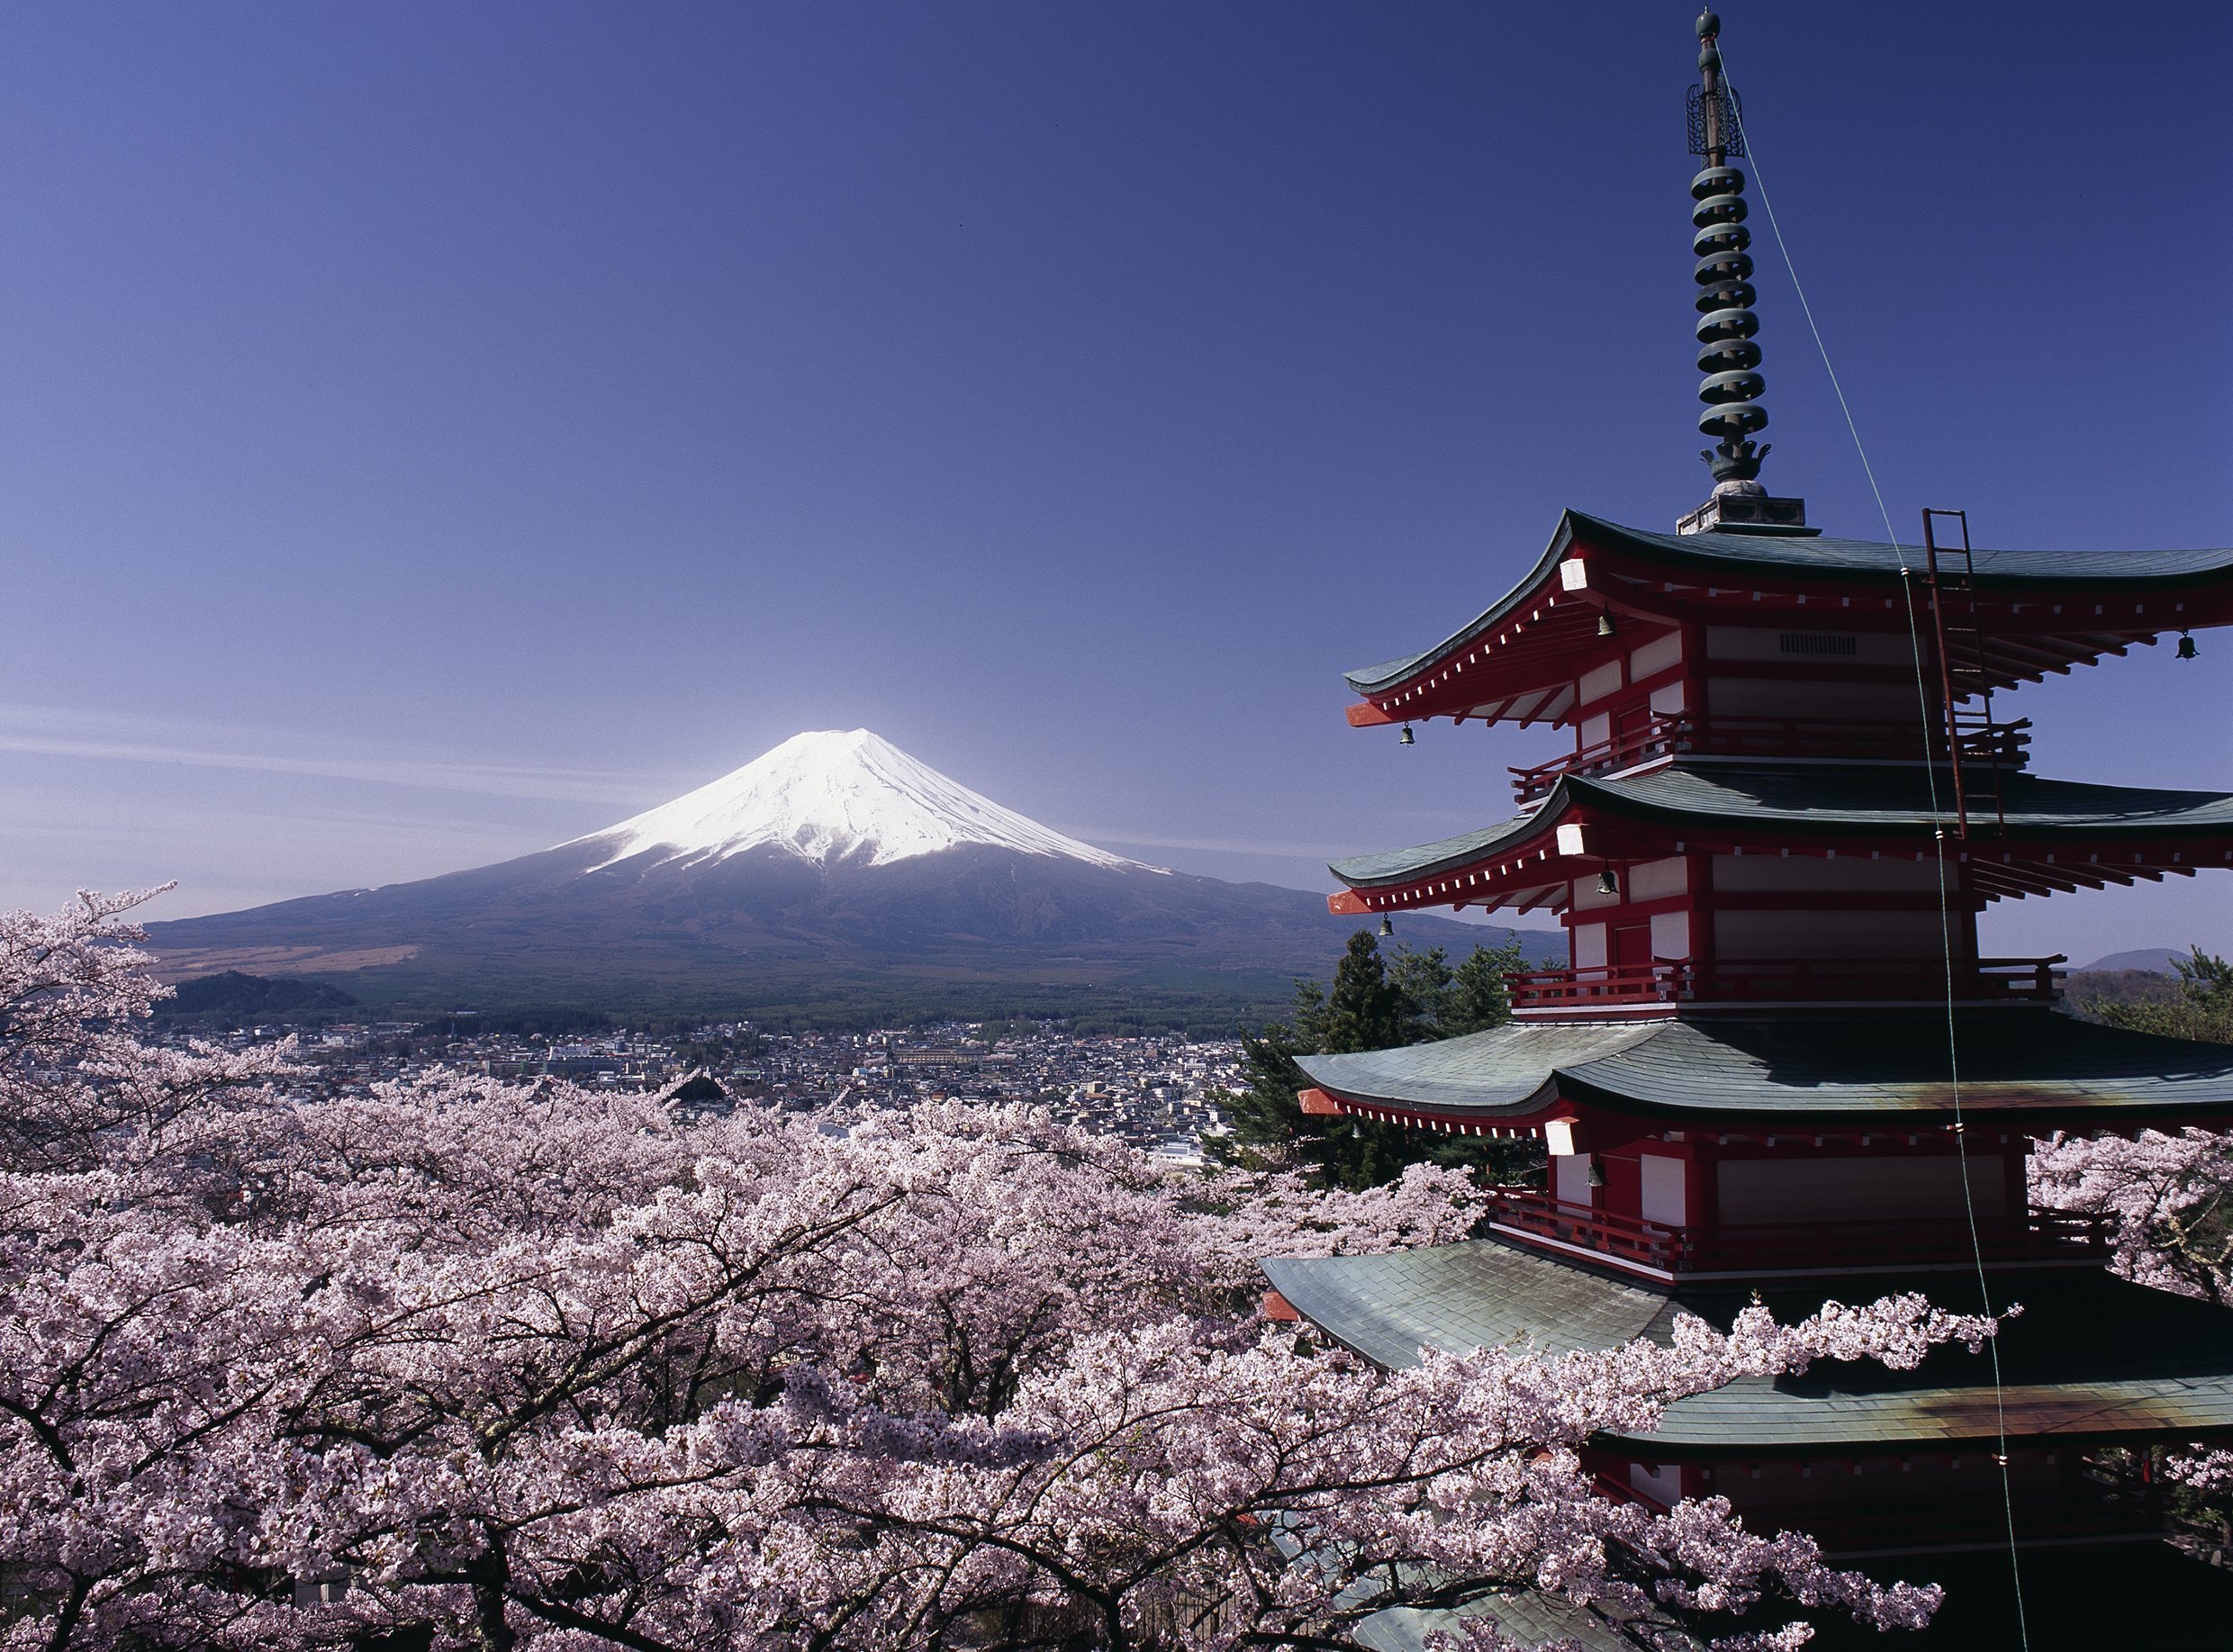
(2154, 960)
(235, 999)
(833, 877)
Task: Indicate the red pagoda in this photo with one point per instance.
(1777, 1062)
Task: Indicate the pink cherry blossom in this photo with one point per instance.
(474, 1364)
(2167, 1197)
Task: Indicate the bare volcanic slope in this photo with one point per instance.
(834, 869)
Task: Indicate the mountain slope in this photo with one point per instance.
(834, 870)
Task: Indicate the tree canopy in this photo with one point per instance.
(1374, 1003)
(462, 1364)
(2203, 1008)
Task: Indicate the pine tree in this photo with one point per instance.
(1374, 1004)
(1479, 997)
(1366, 1009)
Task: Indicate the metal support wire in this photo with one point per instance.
(1945, 923)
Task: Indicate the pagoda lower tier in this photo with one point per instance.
(1865, 1458)
(1724, 1144)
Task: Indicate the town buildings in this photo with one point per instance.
(1161, 1093)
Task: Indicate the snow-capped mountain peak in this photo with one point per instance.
(830, 796)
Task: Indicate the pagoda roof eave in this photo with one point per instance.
(1376, 679)
(1395, 866)
(2021, 1067)
(1888, 804)
(2092, 1358)
(1855, 563)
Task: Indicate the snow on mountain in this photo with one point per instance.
(829, 795)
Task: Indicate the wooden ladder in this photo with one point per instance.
(1951, 573)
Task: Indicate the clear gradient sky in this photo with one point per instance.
(429, 433)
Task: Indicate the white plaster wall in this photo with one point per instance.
(1570, 1179)
(1670, 935)
(1656, 655)
(1595, 685)
(1664, 1189)
(1589, 946)
(1656, 879)
(1663, 1483)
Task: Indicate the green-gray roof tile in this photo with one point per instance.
(2017, 1065)
(1890, 800)
(1530, 1616)
(2091, 1357)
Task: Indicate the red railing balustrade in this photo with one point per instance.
(1674, 734)
(2038, 1235)
(1785, 979)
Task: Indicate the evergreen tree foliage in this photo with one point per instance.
(2203, 1009)
(1374, 1003)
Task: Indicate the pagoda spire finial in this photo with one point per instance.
(1728, 357)
(1727, 353)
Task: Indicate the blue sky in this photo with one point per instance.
(428, 432)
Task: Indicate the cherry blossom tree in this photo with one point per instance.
(72, 988)
(468, 1364)
(2168, 1199)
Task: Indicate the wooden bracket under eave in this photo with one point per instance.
(1318, 1104)
(1348, 903)
(1366, 715)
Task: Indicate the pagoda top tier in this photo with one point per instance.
(1601, 588)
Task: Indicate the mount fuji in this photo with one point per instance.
(833, 796)
(832, 878)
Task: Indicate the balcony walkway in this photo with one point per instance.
(1619, 989)
(2001, 746)
(1756, 1248)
